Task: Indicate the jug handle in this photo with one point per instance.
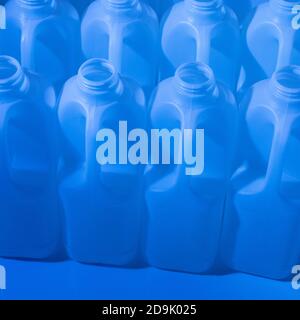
(203, 52)
(285, 49)
(276, 162)
(115, 47)
(27, 47)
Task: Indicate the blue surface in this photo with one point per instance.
(70, 280)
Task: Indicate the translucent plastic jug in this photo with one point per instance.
(270, 40)
(44, 35)
(185, 201)
(205, 31)
(126, 33)
(103, 201)
(263, 212)
(29, 212)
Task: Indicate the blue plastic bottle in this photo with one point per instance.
(205, 31)
(126, 32)
(103, 203)
(29, 212)
(271, 40)
(262, 221)
(45, 36)
(186, 210)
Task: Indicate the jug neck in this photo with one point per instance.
(38, 6)
(205, 7)
(98, 77)
(121, 4)
(12, 77)
(283, 7)
(285, 83)
(195, 80)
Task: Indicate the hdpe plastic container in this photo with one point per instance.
(126, 32)
(205, 31)
(29, 213)
(185, 202)
(270, 40)
(45, 36)
(263, 212)
(103, 200)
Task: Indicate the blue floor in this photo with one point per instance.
(70, 280)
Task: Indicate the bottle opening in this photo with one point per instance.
(35, 2)
(11, 73)
(121, 4)
(195, 78)
(98, 75)
(287, 82)
(205, 5)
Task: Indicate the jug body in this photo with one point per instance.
(202, 30)
(262, 219)
(44, 35)
(274, 24)
(185, 199)
(102, 196)
(29, 207)
(125, 33)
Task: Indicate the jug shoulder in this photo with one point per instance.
(34, 89)
(264, 17)
(180, 14)
(142, 12)
(55, 8)
(63, 12)
(167, 94)
(132, 95)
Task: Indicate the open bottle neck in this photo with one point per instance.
(195, 80)
(12, 77)
(285, 83)
(121, 5)
(43, 7)
(99, 77)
